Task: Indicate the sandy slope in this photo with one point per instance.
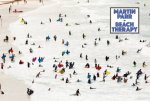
(99, 11)
(15, 90)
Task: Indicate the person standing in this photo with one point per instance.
(83, 36)
(134, 63)
(108, 42)
(50, 20)
(86, 57)
(55, 37)
(28, 64)
(70, 33)
(2, 65)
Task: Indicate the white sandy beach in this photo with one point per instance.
(47, 87)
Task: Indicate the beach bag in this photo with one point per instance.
(107, 73)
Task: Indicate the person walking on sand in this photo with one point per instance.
(145, 78)
(10, 9)
(70, 33)
(2, 65)
(1, 20)
(108, 42)
(95, 43)
(138, 74)
(28, 64)
(3, 57)
(99, 29)
(134, 63)
(26, 42)
(94, 77)
(144, 64)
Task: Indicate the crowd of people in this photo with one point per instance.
(61, 67)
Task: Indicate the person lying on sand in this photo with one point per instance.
(17, 11)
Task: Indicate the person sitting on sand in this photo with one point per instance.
(29, 91)
(17, 11)
(77, 92)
